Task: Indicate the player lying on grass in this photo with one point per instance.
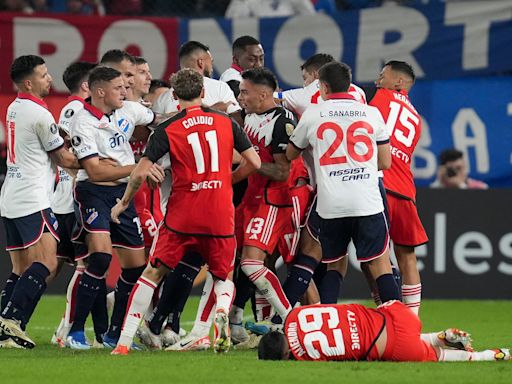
(391, 332)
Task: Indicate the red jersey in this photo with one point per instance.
(333, 332)
(200, 143)
(269, 133)
(404, 128)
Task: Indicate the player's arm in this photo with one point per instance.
(292, 152)
(298, 139)
(247, 157)
(158, 146)
(384, 156)
(64, 159)
(98, 171)
(382, 138)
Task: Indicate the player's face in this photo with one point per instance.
(142, 79)
(40, 81)
(388, 79)
(115, 93)
(253, 57)
(206, 64)
(127, 69)
(308, 77)
(251, 96)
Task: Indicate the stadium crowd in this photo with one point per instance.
(142, 170)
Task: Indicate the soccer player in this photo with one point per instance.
(247, 53)
(156, 89)
(125, 63)
(75, 77)
(404, 128)
(349, 144)
(267, 205)
(391, 332)
(178, 283)
(200, 142)
(142, 78)
(102, 129)
(34, 149)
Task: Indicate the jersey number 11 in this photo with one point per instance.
(211, 138)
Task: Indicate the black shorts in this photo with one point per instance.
(66, 249)
(313, 221)
(92, 206)
(370, 235)
(23, 232)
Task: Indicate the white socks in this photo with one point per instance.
(411, 296)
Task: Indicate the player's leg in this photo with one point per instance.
(499, 354)
(407, 232)
(36, 231)
(451, 338)
(411, 281)
(333, 280)
(138, 303)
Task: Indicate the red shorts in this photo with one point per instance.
(218, 252)
(405, 225)
(289, 242)
(403, 330)
(261, 225)
(149, 227)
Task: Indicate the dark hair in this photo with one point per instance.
(243, 42)
(336, 75)
(116, 56)
(316, 61)
(23, 66)
(139, 60)
(76, 73)
(448, 155)
(157, 83)
(272, 346)
(102, 73)
(190, 47)
(402, 67)
(261, 76)
(187, 84)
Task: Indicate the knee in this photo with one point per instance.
(98, 263)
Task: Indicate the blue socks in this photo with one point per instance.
(299, 277)
(388, 290)
(330, 287)
(8, 289)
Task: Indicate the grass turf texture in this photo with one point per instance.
(488, 321)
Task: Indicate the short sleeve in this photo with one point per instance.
(381, 132)
(158, 145)
(82, 138)
(139, 114)
(66, 116)
(165, 103)
(299, 137)
(283, 129)
(240, 138)
(48, 132)
(292, 99)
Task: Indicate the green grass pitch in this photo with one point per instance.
(488, 321)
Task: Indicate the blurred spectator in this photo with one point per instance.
(17, 6)
(268, 8)
(453, 172)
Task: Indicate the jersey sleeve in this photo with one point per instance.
(292, 98)
(240, 138)
(140, 114)
(381, 133)
(283, 129)
(299, 137)
(48, 132)
(82, 138)
(165, 103)
(66, 116)
(158, 145)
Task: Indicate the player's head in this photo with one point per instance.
(30, 75)
(312, 65)
(107, 87)
(273, 346)
(75, 77)
(187, 85)
(248, 53)
(156, 88)
(197, 56)
(257, 90)
(334, 77)
(396, 75)
(123, 62)
(142, 78)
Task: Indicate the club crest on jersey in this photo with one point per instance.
(123, 125)
(76, 141)
(54, 128)
(69, 113)
(289, 128)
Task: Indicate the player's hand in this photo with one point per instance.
(117, 210)
(156, 173)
